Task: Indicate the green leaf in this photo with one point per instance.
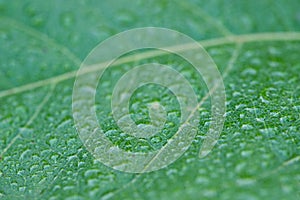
(256, 46)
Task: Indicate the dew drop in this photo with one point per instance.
(22, 189)
(273, 51)
(255, 61)
(246, 153)
(25, 154)
(245, 181)
(26, 132)
(260, 120)
(68, 187)
(91, 172)
(236, 94)
(125, 18)
(202, 180)
(171, 172)
(247, 127)
(53, 141)
(75, 197)
(29, 10)
(263, 100)
(33, 168)
(107, 196)
(273, 64)
(266, 131)
(240, 167)
(102, 31)
(67, 19)
(278, 74)
(156, 139)
(239, 106)
(296, 108)
(2, 195)
(283, 120)
(249, 71)
(252, 110)
(38, 21)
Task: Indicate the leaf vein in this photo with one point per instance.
(29, 122)
(246, 38)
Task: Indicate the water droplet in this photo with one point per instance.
(246, 153)
(249, 71)
(67, 19)
(102, 32)
(247, 127)
(29, 10)
(240, 167)
(274, 64)
(2, 194)
(33, 168)
(38, 21)
(260, 120)
(107, 196)
(171, 172)
(274, 51)
(274, 114)
(278, 74)
(239, 106)
(263, 100)
(22, 189)
(210, 193)
(125, 17)
(53, 141)
(237, 134)
(283, 120)
(54, 157)
(91, 172)
(190, 160)
(252, 110)
(70, 158)
(156, 139)
(68, 187)
(25, 154)
(75, 197)
(202, 180)
(26, 132)
(245, 181)
(296, 108)
(267, 131)
(236, 94)
(255, 61)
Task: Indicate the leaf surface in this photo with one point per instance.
(256, 46)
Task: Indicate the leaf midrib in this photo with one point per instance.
(232, 39)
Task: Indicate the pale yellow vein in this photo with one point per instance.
(29, 122)
(247, 38)
(285, 164)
